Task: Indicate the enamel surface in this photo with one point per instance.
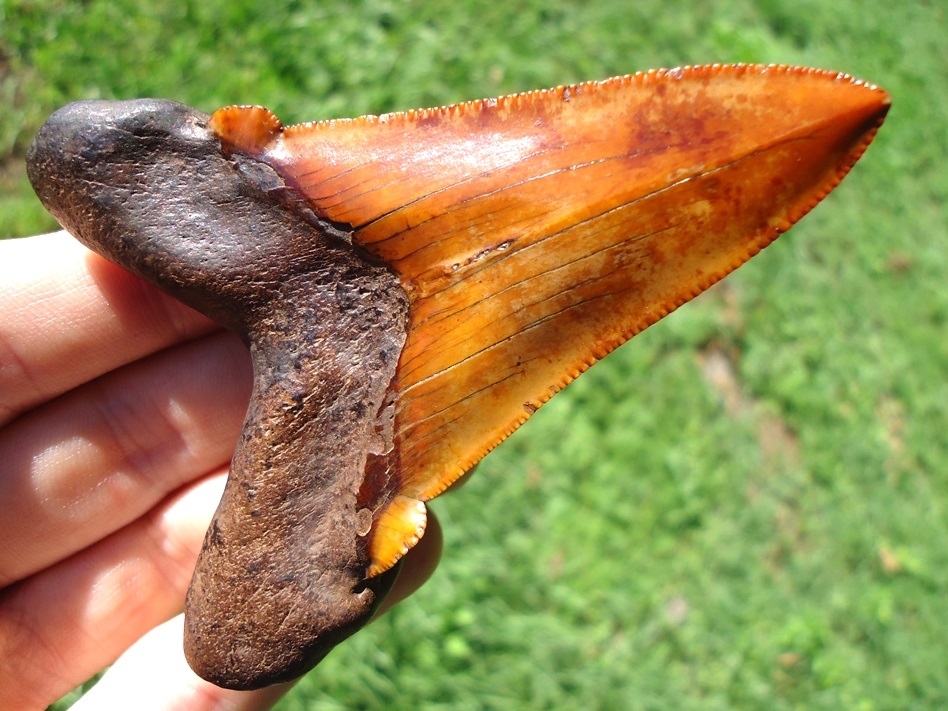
(535, 233)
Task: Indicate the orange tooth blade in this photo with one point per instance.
(536, 233)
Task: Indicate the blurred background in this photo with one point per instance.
(744, 508)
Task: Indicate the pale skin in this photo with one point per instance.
(119, 410)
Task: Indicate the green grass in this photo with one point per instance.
(744, 508)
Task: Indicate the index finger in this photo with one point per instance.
(69, 315)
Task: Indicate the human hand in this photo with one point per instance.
(119, 411)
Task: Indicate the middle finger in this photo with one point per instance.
(87, 463)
